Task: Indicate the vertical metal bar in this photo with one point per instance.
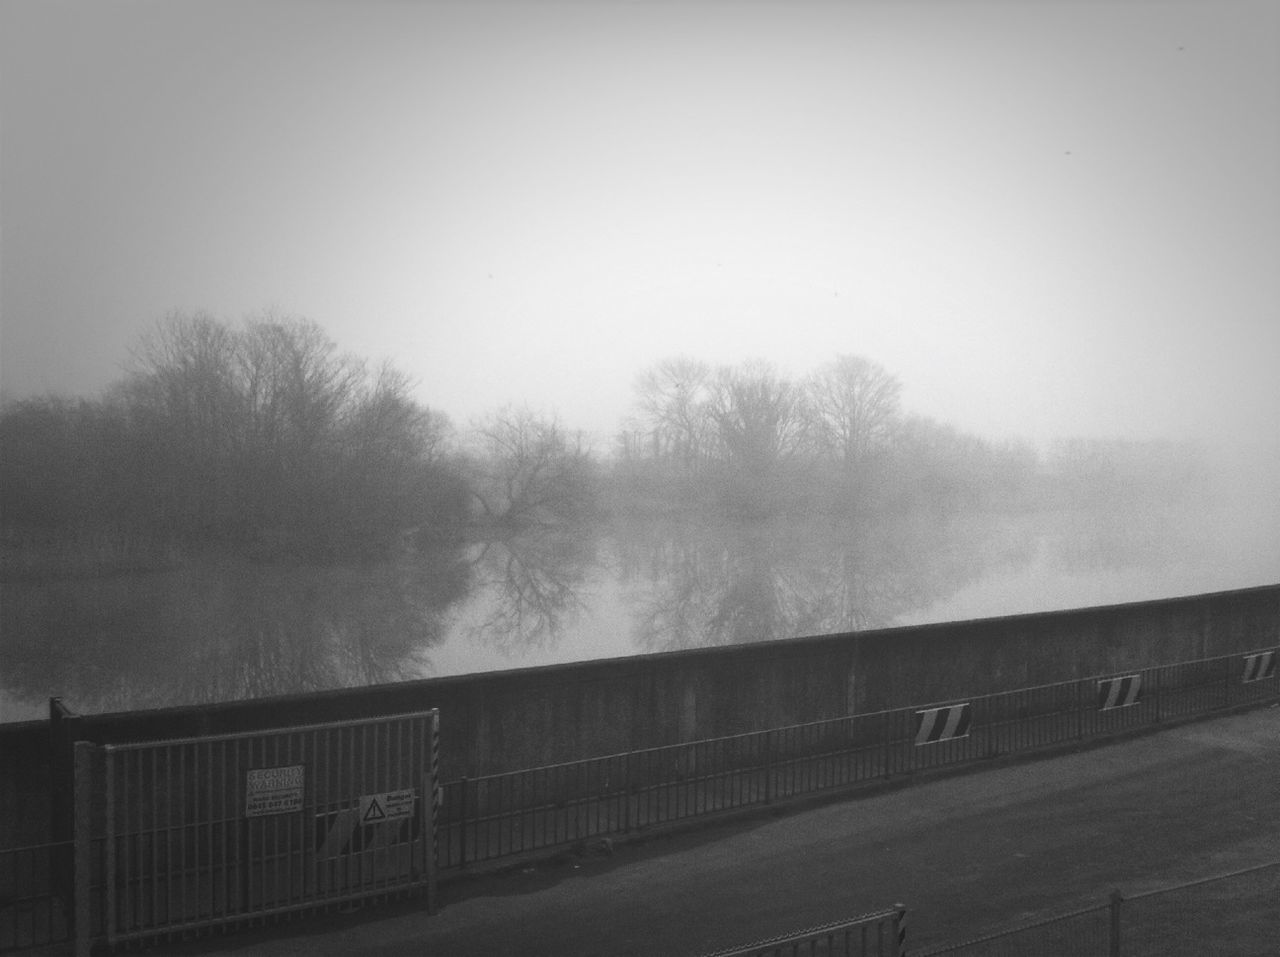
(318, 870)
(462, 823)
(227, 800)
(428, 830)
(203, 771)
(244, 871)
(82, 795)
(289, 823)
(165, 806)
(335, 768)
(152, 831)
(109, 851)
(296, 825)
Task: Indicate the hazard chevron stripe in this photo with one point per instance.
(1119, 692)
(1259, 666)
(942, 724)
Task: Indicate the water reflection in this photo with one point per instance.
(530, 586)
(226, 628)
(730, 585)
(217, 629)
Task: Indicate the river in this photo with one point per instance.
(217, 628)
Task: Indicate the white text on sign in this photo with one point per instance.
(273, 791)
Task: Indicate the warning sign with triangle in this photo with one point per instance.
(388, 806)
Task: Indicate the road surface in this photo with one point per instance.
(967, 854)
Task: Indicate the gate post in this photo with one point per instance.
(83, 854)
(900, 929)
(64, 727)
(433, 798)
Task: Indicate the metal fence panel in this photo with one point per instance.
(520, 811)
(211, 830)
(34, 909)
(1082, 933)
(217, 830)
(872, 935)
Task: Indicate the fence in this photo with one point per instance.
(32, 912)
(1236, 913)
(499, 815)
(882, 934)
(167, 820)
(179, 836)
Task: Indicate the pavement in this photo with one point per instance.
(967, 854)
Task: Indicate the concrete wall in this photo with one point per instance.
(523, 718)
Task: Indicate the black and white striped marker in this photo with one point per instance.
(1259, 666)
(1119, 692)
(942, 724)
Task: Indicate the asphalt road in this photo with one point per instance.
(967, 854)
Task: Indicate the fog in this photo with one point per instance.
(587, 238)
(1049, 220)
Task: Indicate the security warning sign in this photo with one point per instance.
(389, 806)
(273, 790)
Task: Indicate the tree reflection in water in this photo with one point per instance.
(723, 585)
(219, 629)
(531, 585)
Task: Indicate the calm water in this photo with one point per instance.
(224, 628)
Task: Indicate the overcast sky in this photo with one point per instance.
(1048, 219)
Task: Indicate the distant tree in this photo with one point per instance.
(941, 469)
(529, 471)
(854, 408)
(673, 401)
(759, 417)
(62, 465)
(267, 435)
(760, 431)
(1118, 472)
(397, 472)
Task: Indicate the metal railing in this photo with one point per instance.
(34, 908)
(1227, 913)
(881, 934)
(181, 836)
(499, 815)
(495, 816)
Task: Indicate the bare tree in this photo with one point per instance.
(673, 400)
(759, 417)
(854, 409)
(267, 434)
(531, 472)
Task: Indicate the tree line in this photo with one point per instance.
(753, 442)
(263, 437)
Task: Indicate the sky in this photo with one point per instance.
(1048, 219)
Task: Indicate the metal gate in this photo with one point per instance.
(209, 831)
